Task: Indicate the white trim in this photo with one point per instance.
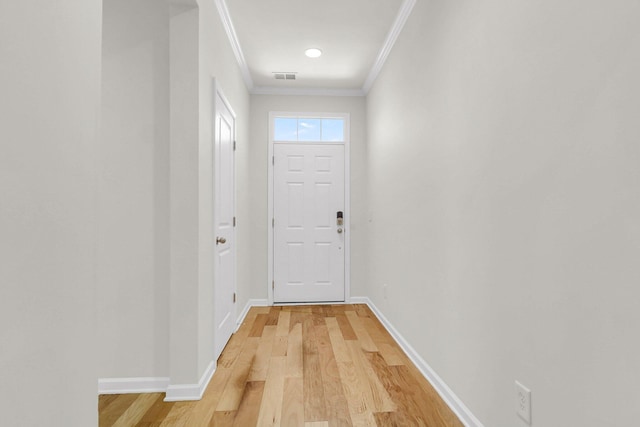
(247, 307)
(132, 385)
(449, 397)
(223, 11)
(272, 90)
(394, 32)
(347, 196)
(182, 392)
(219, 94)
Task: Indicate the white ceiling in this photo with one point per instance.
(271, 36)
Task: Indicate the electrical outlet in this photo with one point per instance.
(384, 291)
(523, 402)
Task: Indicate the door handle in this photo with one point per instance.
(220, 240)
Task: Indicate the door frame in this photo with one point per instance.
(347, 197)
(218, 93)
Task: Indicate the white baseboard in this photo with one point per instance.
(449, 397)
(132, 385)
(182, 392)
(174, 393)
(247, 307)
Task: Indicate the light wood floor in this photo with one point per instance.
(299, 366)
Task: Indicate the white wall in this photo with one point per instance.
(49, 109)
(503, 188)
(184, 175)
(133, 196)
(261, 105)
(218, 62)
(155, 244)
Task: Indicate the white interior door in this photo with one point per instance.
(309, 239)
(225, 280)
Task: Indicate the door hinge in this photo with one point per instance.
(234, 146)
(234, 297)
(234, 221)
(273, 222)
(273, 285)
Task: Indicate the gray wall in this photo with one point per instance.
(49, 111)
(503, 187)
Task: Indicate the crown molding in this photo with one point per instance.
(396, 29)
(272, 90)
(221, 5)
(392, 36)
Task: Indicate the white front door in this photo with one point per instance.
(309, 235)
(225, 276)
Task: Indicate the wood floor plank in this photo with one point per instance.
(391, 354)
(272, 317)
(157, 413)
(390, 419)
(314, 402)
(283, 323)
(377, 397)
(271, 406)
(115, 409)
(293, 402)
(178, 415)
(104, 400)
(376, 331)
(353, 392)
(345, 327)
(136, 410)
(336, 308)
(337, 340)
(403, 414)
(250, 405)
(335, 402)
(223, 419)
(230, 400)
(362, 310)
(388, 348)
(263, 355)
(280, 345)
(316, 366)
(294, 352)
(365, 340)
(258, 325)
(297, 317)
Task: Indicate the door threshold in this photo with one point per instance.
(275, 304)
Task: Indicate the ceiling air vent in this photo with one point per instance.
(284, 76)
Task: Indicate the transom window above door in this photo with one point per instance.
(309, 129)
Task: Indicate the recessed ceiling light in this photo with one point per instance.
(313, 52)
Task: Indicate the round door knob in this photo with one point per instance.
(339, 230)
(220, 240)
